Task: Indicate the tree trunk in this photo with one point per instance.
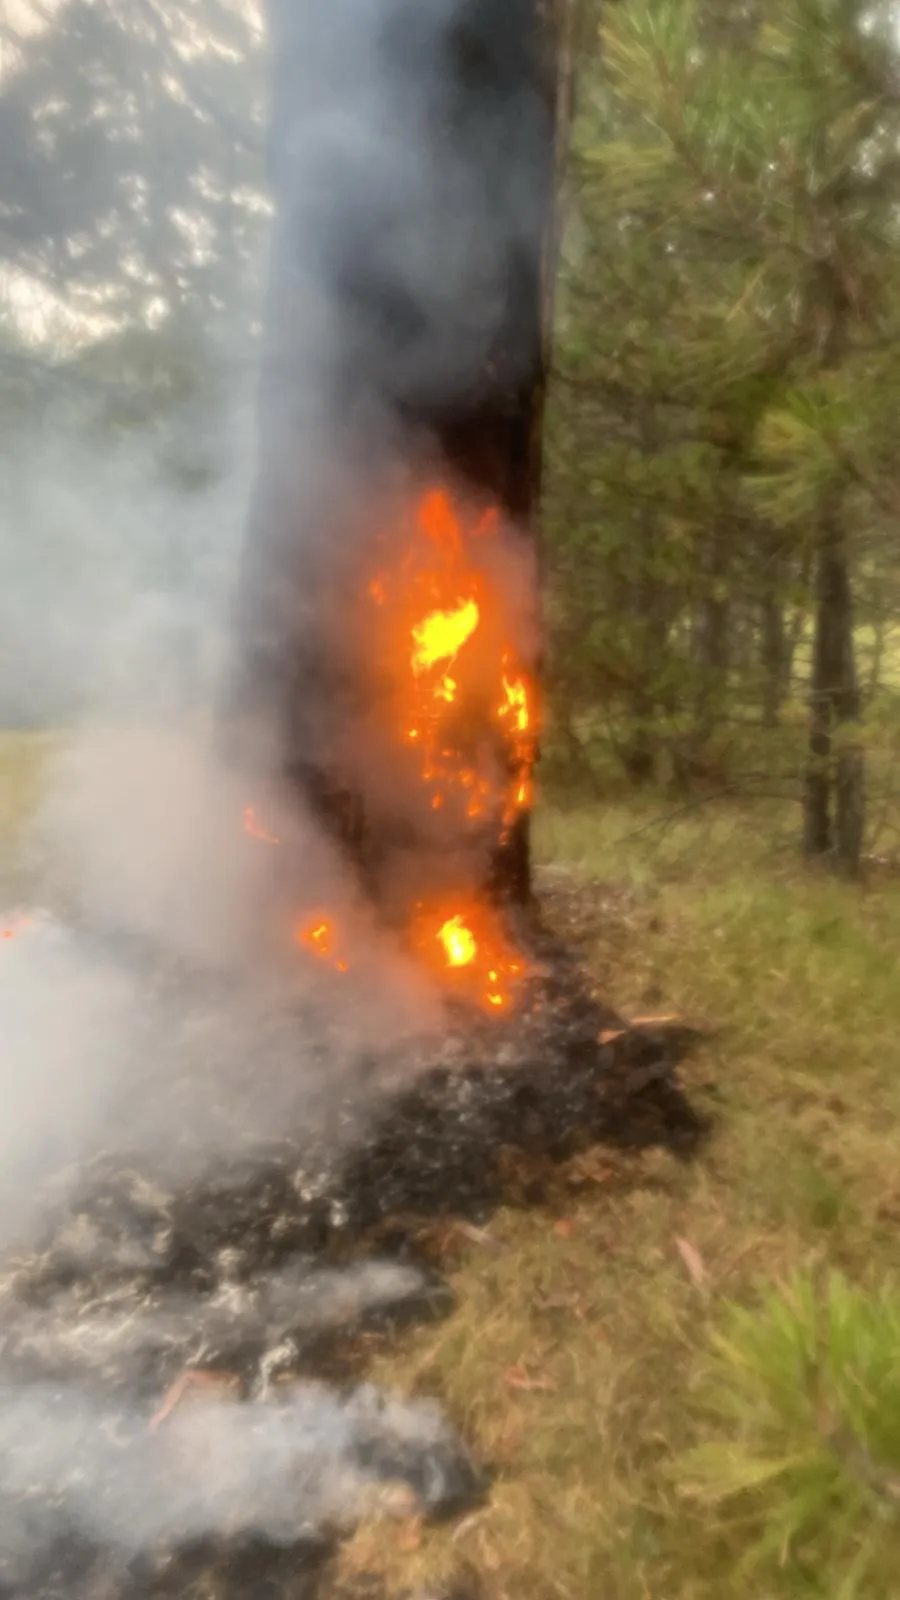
(797, 621)
(774, 643)
(875, 666)
(712, 652)
(495, 439)
(774, 649)
(834, 807)
(370, 358)
(645, 601)
(713, 632)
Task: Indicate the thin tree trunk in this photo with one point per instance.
(835, 801)
(834, 807)
(773, 641)
(773, 654)
(880, 631)
(794, 632)
(712, 649)
(644, 599)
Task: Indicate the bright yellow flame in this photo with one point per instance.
(442, 635)
(459, 943)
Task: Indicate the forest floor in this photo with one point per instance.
(576, 1358)
(583, 1332)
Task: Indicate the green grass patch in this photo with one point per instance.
(801, 1393)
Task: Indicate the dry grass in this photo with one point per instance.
(572, 1359)
(23, 757)
(573, 1355)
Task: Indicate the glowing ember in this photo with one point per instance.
(319, 937)
(13, 929)
(255, 829)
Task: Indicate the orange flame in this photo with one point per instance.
(319, 937)
(465, 709)
(13, 929)
(255, 829)
(469, 949)
(516, 704)
(440, 598)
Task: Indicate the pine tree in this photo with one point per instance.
(719, 421)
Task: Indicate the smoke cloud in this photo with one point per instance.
(161, 1009)
(309, 1467)
(404, 147)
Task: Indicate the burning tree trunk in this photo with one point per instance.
(412, 163)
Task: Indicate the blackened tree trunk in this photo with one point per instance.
(834, 807)
(494, 439)
(407, 321)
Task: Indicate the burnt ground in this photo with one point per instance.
(272, 1276)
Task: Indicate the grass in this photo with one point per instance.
(22, 758)
(589, 1337)
(686, 1378)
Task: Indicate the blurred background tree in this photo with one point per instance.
(721, 487)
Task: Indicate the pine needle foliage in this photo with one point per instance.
(726, 374)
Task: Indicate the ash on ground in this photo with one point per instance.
(181, 1406)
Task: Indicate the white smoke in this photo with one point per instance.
(117, 596)
(160, 1006)
(310, 1466)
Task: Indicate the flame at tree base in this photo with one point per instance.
(467, 951)
(456, 734)
(470, 952)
